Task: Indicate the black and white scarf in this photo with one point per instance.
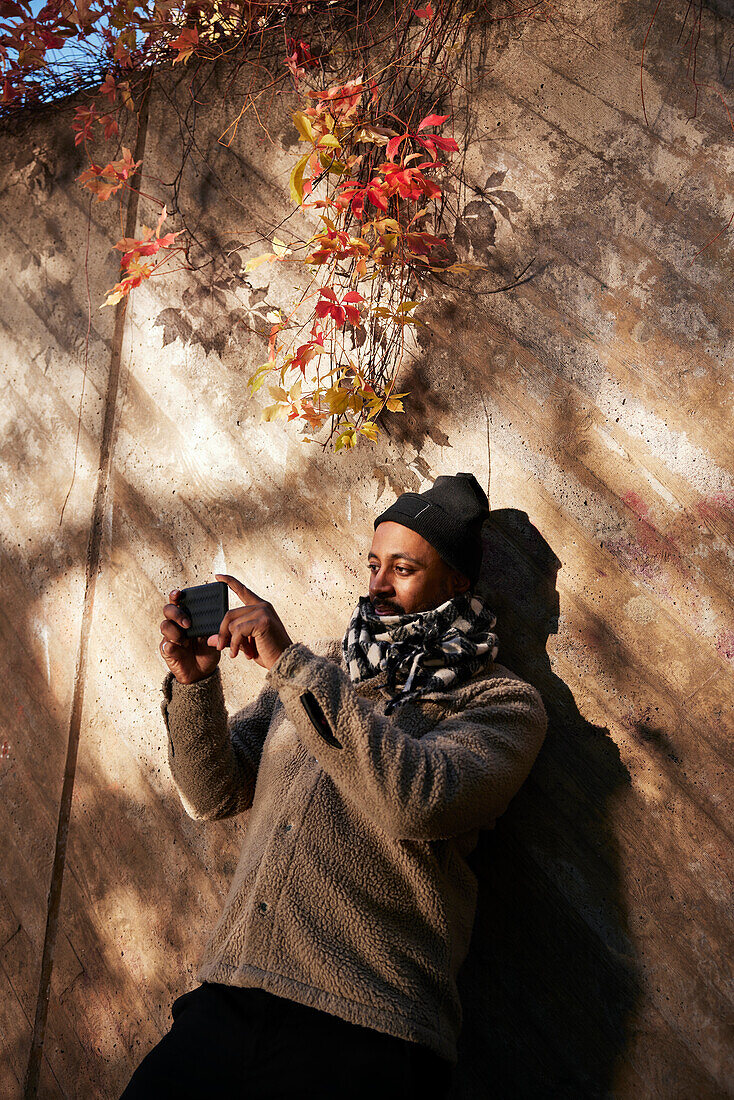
(423, 651)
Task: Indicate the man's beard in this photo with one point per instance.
(388, 608)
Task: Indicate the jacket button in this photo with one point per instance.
(263, 907)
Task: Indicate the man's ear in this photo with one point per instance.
(461, 583)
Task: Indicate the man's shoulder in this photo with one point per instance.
(494, 681)
(327, 647)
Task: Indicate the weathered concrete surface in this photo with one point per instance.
(596, 397)
(44, 222)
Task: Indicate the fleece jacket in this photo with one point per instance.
(352, 893)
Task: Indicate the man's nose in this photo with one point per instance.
(380, 584)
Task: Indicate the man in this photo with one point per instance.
(368, 763)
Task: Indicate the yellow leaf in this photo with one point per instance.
(294, 393)
(304, 127)
(296, 180)
(274, 412)
(256, 380)
(405, 306)
(461, 267)
(359, 245)
(329, 141)
(384, 225)
(278, 393)
(370, 429)
(336, 167)
(347, 438)
(280, 248)
(257, 260)
(337, 400)
(127, 99)
(368, 133)
(394, 404)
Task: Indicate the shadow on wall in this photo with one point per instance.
(551, 982)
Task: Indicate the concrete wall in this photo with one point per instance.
(595, 397)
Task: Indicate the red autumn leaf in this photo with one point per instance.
(340, 312)
(341, 100)
(422, 243)
(51, 41)
(110, 126)
(186, 43)
(423, 13)
(393, 145)
(376, 194)
(299, 59)
(109, 87)
(82, 124)
(328, 309)
(431, 120)
(440, 142)
(313, 418)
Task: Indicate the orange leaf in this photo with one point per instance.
(186, 43)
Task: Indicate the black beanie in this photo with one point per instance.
(449, 516)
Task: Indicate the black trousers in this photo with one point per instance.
(258, 1046)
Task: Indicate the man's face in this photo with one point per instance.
(407, 573)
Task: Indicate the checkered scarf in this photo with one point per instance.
(424, 651)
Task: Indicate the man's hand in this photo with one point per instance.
(189, 659)
(255, 629)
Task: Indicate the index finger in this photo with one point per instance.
(239, 589)
(173, 611)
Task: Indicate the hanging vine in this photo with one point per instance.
(375, 96)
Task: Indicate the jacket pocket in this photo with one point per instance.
(317, 718)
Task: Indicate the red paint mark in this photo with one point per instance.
(725, 644)
(647, 551)
(637, 504)
(716, 506)
(636, 559)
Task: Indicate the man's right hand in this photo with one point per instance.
(189, 659)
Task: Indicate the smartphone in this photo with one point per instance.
(206, 605)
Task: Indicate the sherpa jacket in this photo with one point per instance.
(352, 893)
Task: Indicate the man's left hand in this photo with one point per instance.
(255, 629)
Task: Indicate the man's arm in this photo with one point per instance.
(460, 776)
(214, 760)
